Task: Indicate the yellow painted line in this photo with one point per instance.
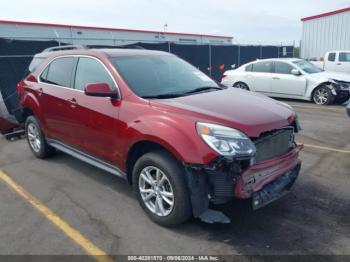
(328, 148)
(72, 233)
(319, 107)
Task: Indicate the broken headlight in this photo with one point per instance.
(225, 140)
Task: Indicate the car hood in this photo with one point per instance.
(331, 75)
(249, 112)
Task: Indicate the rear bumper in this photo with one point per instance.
(256, 177)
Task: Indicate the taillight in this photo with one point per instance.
(20, 87)
(22, 84)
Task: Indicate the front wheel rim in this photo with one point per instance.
(34, 137)
(321, 96)
(156, 191)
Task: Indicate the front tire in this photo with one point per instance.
(159, 182)
(323, 95)
(36, 139)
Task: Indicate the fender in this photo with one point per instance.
(182, 141)
(327, 83)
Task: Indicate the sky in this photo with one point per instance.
(249, 21)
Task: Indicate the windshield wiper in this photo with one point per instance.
(170, 95)
(197, 90)
(203, 88)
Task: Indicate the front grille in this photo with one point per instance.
(274, 144)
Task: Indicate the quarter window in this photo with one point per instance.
(344, 57)
(331, 57)
(262, 67)
(59, 72)
(91, 71)
(283, 68)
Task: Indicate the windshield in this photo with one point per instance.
(162, 76)
(307, 67)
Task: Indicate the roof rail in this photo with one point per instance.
(64, 47)
(74, 47)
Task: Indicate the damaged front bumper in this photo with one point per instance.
(257, 176)
(263, 182)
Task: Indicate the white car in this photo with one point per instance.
(290, 78)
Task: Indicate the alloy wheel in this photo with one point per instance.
(321, 96)
(156, 191)
(34, 137)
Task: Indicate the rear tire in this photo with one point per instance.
(241, 85)
(159, 182)
(323, 95)
(36, 139)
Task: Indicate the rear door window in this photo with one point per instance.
(262, 67)
(59, 72)
(90, 71)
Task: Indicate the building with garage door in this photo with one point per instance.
(325, 32)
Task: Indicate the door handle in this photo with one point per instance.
(338, 63)
(73, 102)
(275, 78)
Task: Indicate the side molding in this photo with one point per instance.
(86, 158)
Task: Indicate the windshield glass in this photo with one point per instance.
(161, 76)
(307, 67)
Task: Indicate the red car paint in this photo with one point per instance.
(6, 126)
(108, 128)
(255, 177)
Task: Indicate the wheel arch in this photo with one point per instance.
(326, 83)
(31, 106)
(140, 148)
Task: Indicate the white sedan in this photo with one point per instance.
(290, 78)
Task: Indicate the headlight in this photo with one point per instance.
(226, 141)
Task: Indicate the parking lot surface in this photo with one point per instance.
(312, 219)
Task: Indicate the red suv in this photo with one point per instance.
(182, 140)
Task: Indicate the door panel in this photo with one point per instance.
(259, 82)
(288, 84)
(96, 118)
(330, 63)
(97, 125)
(259, 79)
(284, 82)
(55, 83)
(343, 65)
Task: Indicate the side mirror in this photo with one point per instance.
(233, 66)
(295, 72)
(100, 90)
